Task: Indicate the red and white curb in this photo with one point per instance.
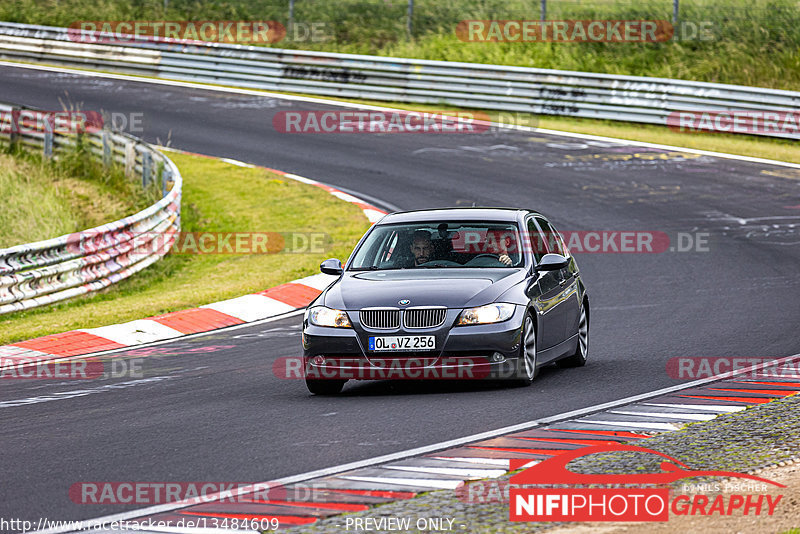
(245, 309)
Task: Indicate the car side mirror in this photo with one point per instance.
(331, 266)
(551, 262)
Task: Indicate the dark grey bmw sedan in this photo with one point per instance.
(460, 293)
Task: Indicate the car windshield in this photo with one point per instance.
(439, 245)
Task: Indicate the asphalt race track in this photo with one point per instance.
(219, 413)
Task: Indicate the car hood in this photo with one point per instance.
(456, 288)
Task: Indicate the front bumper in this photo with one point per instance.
(462, 352)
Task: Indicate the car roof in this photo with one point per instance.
(464, 214)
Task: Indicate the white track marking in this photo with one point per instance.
(250, 307)
(457, 471)
(134, 332)
(502, 462)
(62, 395)
(237, 163)
(432, 483)
(708, 407)
(317, 281)
(640, 426)
(679, 416)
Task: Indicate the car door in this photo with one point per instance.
(567, 280)
(544, 292)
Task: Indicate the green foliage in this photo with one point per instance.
(45, 198)
(747, 42)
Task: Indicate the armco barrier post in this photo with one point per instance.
(165, 176)
(107, 149)
(147, 169)
(130, 159)
(47, 145)
(14, 130)
(79, 138)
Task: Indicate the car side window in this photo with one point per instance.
(560, 240)
(387, 249)
(537, 241)
(552, 238)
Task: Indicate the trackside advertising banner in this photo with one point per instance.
(629, 501)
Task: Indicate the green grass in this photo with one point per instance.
(42, 199)
(749, 42)
(23, 185)
(217, 197)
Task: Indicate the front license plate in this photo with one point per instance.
(400, 343)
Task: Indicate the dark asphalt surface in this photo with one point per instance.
(222, 415)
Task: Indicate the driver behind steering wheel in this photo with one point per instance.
(421, 247)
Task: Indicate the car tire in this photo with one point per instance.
(579, 358)
(525, 367)
(319, 386)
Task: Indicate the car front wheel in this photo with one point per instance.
(579, 358)
(526, 368)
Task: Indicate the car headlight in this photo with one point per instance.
(322, 316)
(491, 313)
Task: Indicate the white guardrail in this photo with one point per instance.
(468, 85)
(41, 273)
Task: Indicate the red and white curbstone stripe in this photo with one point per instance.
(248, 308)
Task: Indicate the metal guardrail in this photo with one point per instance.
(48, 271)
(469, 85)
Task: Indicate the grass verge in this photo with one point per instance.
(217, 197)
(47, 198)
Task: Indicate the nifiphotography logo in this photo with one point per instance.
(625, 503)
